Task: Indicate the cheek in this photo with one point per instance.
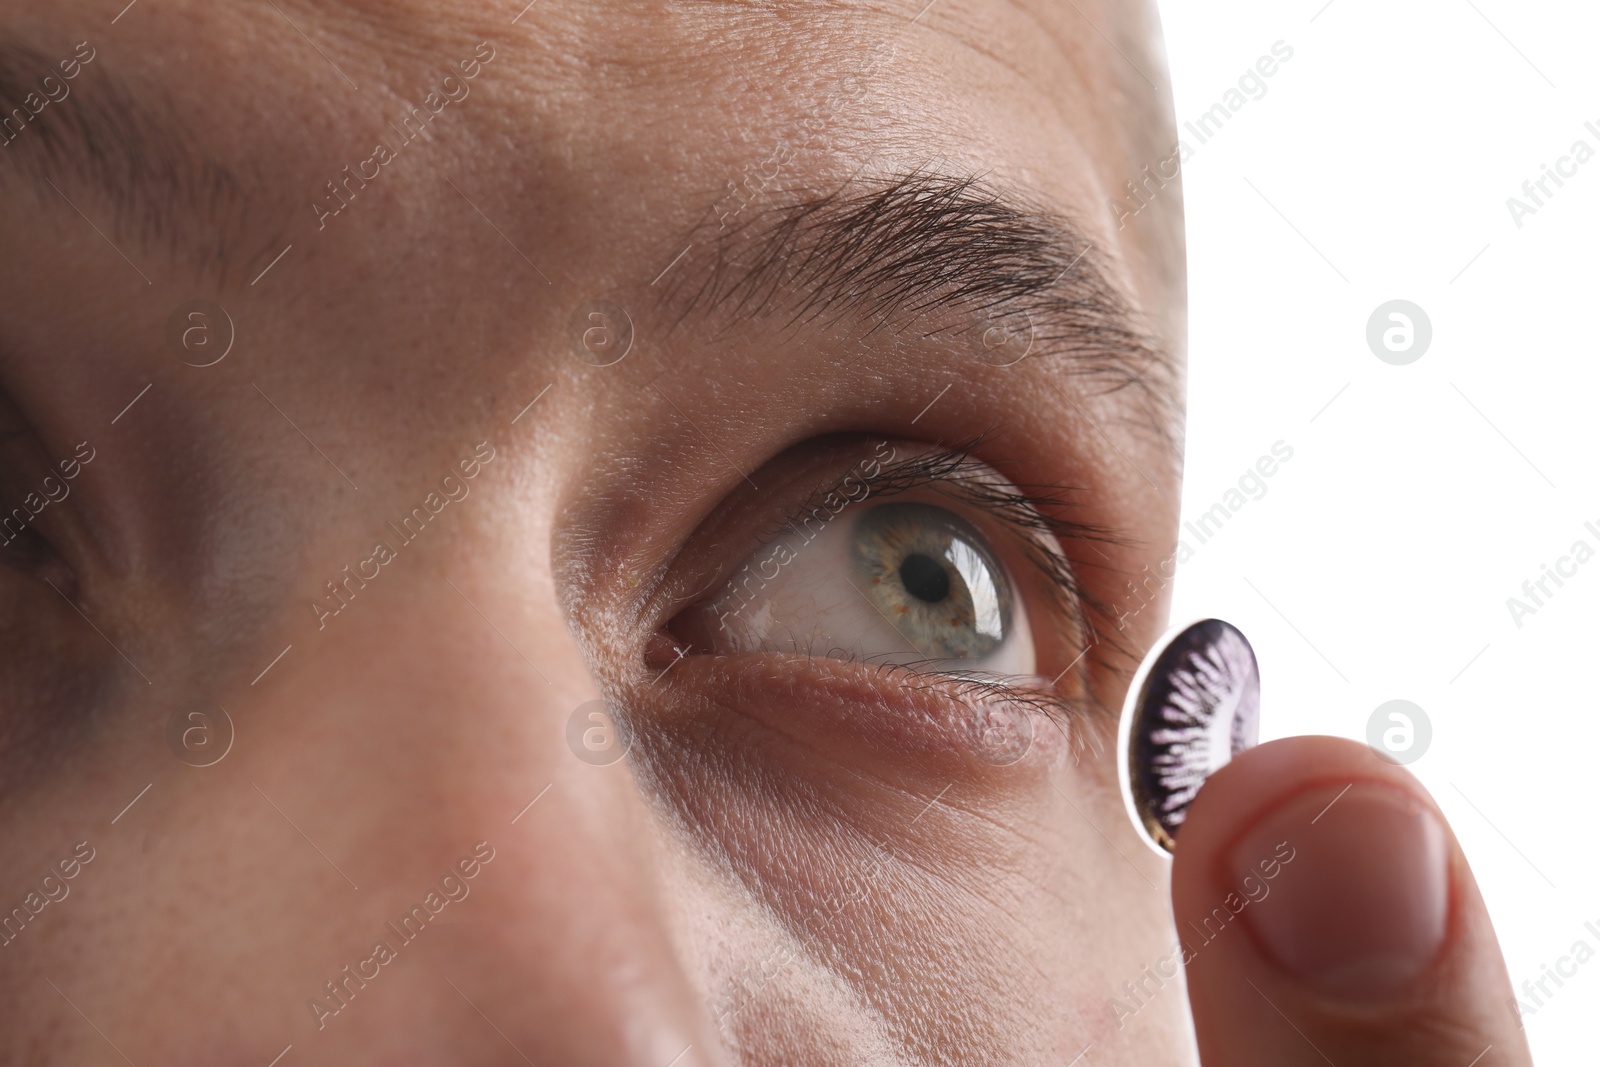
(964, 910)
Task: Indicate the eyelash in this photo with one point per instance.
(1024, 512)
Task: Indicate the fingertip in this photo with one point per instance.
(1260, 778)
(1356, 913)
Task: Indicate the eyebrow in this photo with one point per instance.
(889, 251)
(100, 136)
(886, 250)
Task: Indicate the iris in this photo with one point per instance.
(931, 575)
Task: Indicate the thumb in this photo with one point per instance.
(1328, 916)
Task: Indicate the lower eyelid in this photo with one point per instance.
(932, 723)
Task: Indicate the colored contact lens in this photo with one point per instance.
(1194, 704)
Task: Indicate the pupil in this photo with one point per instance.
(925, 578)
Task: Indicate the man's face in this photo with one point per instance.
(388, 382)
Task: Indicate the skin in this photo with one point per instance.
(1002, 907)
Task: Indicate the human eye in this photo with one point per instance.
(905, 556)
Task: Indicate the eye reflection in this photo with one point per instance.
(907, 583)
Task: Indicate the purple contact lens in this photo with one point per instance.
(1194, 704)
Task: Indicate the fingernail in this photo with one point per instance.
(1358, 909)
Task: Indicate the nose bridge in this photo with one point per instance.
(590, 915)
(576, 944)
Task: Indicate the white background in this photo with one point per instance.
(1379, 562)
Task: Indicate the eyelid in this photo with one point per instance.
(1028, 514)
(1034, 518)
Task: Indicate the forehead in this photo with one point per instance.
(428, 187)
(645, 113)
